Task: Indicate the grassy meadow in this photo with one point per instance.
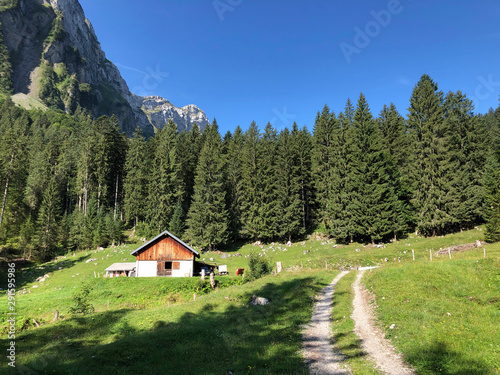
(153, 325)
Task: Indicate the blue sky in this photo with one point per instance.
(280, 61)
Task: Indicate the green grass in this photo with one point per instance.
(343, 325)
(319, 254)
(216, 333)
(446, 312)
(154, 324)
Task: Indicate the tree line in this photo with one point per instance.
(72, 182)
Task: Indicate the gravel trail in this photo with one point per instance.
(318, 348)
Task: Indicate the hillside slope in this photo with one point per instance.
(55, 56)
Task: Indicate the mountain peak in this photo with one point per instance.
(59, 33)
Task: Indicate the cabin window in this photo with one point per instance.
(176, 265)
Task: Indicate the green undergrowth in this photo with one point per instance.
(343, 325)
(215, 334)
(446, 312)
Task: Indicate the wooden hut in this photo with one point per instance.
(121, 269)
(165, 255)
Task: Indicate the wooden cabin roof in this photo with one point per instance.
(160, 237)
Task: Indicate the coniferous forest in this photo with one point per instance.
(73, 182)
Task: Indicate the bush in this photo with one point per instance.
(81, 300)
(259, 266)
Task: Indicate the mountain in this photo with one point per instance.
(160, 110)
(54, 56)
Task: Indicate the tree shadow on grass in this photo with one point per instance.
(439, 359)
(28, 272)
(206, 339)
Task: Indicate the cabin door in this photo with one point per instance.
(164, 268)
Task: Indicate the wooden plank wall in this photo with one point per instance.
(166, 249)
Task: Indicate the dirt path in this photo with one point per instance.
(374, 343)
(318, 348)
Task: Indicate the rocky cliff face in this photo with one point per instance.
(54, 51)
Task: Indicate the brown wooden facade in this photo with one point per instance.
(166, 249)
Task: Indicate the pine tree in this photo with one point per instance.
(234, 181)
(268, 213)
(302, 148)
(48, 221)
(467, 149)
(342, 198)
(177, 223)
(208, 218)
(250, 183)
(492, 198)
(288, 186)
(393, 127)
(377, 211)
(323, 160)
(188, 153)
(137, 165)
(14, 129)
(430, 165)
(5, 66)
(397, 144)
(165, 181)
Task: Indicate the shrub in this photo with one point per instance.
(259, 266)
(81, 301)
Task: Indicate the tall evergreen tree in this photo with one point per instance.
(14, 130)
(137, 165)
(397, 144)
(467, 147)
(492, 198)
(376, 206)
(323, 159)
(165, 182)
(234, 181)
(268, 213)
(288, 187)
(250, 182)
(48, 221)
(302, 149)
(429, 173)
(208, 218)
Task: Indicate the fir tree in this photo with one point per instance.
(492, 198)
(137, 166)
(430, 165)
(288, 186)
(250, 183)
(5, 66)
(234, 181)
(467, 150)
(208, 219)
(323, 160)
(268, 213)
(48, 221)
(376, 205)
(302, 149)
(165, 181)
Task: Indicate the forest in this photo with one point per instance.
(73, 182)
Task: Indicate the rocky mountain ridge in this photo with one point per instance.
(55, 56)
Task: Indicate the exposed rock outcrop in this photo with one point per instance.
(57, 32)
(160, 110)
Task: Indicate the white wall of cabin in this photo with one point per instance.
(146, 268)
(185, 268)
